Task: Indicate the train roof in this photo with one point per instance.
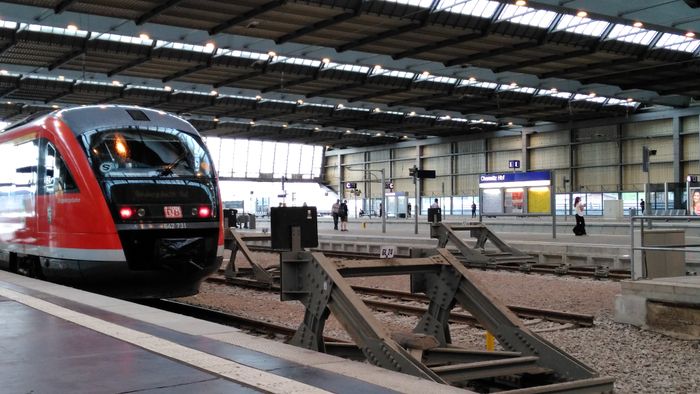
(88, 118)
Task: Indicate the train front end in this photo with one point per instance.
(161, 191)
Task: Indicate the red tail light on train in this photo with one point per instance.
(204, 211)
(126, 212)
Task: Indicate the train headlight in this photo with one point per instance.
(204, 211)
(126, 212)
(141, 212)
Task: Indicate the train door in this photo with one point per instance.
(53, 205)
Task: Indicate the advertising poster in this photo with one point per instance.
(539, 200)
(492, 201)
(694, 201)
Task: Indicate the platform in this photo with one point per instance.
(667, 305)
(58, 339)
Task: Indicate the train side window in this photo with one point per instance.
(57, 178)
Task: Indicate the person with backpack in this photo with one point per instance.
(343, 214)
(335, 212)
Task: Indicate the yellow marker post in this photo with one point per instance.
(490, 342)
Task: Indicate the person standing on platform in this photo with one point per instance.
(381, 210)
(473, 209)
(408, 210)
(334, 211)
(580, 228)
(343, 213)
(641, 205)
(435, 204)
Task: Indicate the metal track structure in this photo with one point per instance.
(529, 362)
(478, 256)
(236, 242)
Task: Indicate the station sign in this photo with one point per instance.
(351, 185)
(515, 179)
(513, 163)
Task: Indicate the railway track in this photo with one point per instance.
(573, 319)
(227, 319)
(551, 269)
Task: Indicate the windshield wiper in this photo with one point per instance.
(168, 169)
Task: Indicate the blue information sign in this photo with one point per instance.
(513, 163)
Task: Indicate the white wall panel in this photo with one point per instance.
(632, 150)
(544, 139)
(441, 165)
(690, 124)
(634, 178)
(597, 178)
(645, 129)
(691, 151)
(404, 185)
(378, 155)
(400, 168)
(434, 187)
(354, 158)
(471, 146)
(596, 154)
(548, 158)
(559, 176)
(467, 185)
(470, 164)
(596, 134)
(435, 150)
(405, 153)
(502, 143)
(691, 167)
(498, 161)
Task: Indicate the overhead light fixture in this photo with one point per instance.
(61, 78)
(513, 84)
(258, 97)
(348, 131)
(216, 119)
(582, 14)
(690, 34)
(168, 88)
(412, 113)
(116, 83)
(284, 125)
(378, 134)
(472, 79)
(316, 129)
(510, 123)
(144, 36)
(3, 72)
(213, 93)
(72, 27)
(300, 101)
(271, 54)
(554, 90)
(54, 106)
(425, 74)
(252, 123)
(638, 24)
(405, 136)
(630, 99)
(377, 67)
(209, 46)
(591, 94)
(521, 3)
(376, 109)
(339, 106)
(325, 60)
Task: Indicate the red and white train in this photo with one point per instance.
(118, 200)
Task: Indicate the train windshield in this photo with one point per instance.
(146, 152)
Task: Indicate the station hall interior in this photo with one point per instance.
(509, 120)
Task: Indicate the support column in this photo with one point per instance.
(524, 157)
(677, 164)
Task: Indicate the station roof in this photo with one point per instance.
(352, 72)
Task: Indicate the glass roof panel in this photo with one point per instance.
(527, 16)
(480, 8)
(417, 3)
(632, 34)
(347, 67)
(55, 30)
(585, 26)
(677, 42)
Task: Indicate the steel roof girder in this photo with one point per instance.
(245, 16)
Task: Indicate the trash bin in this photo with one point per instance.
(633, 211)
(402, 216)
(230, 217)
(434, 215)
(251, 221)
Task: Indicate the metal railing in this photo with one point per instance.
(674, 248)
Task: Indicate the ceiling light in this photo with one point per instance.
(472, 79)
(340, 106)
(54, 106)
(521, 3)
(213, 93)
(300, 101)
(168, 88)
(426, 74)
(72, 27)
(591, 94)
(325, 60)
(630, 99)
(582, 14)
(513, 84)
(348, 131)
(3, 72)
(510, 123)
(209, 46)
(115, 83)
(316, 129)
(446, 117)
(377, 110)
(405, 136)
(271, 54)
(553, 90)
(638, 24)
(377, 67)
(144, 36)
(284, 125)
(258, 97)
(412, 113)
(252, 123)
(481, 120)
(379, 134)
(690, 34)
(216, 119)
(61, 78)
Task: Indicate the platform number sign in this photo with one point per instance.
(513, 163)
(387, 252)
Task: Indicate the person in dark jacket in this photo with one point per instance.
(343, 214)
